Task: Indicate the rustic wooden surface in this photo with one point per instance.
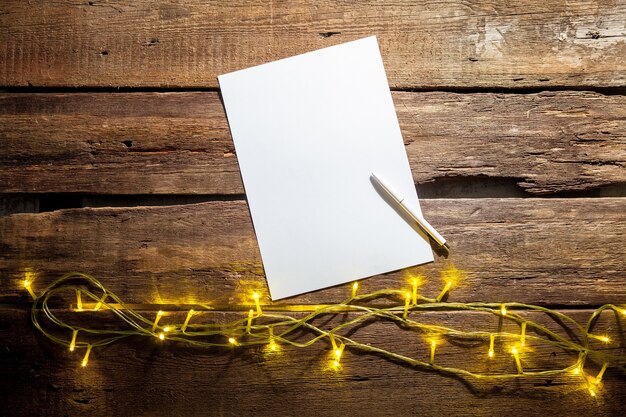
(168, 379)
(546, 251)
(533, 43)
(514, 120)
(179, 143)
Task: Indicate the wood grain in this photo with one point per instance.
(546, 251)
(424, 45)
(147, 377)
(179, 143)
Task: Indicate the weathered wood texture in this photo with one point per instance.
(548, 251)
(187, 44)
(146, 377)
(179, 143)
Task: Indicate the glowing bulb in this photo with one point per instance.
(600, 374)
(100, 302)
(79, 301)
(503, 310)
(233, 341)
(592, 392)
(518, 363)
(576, 371)
(184, 326)
(492, 339)
(433, 347)
(156, 320)
(256, 297)
(445, 290)
(162, 336)
(415, 283)
(166, 329)
(86, 357)
(250, 317)
(73, 342)
(355, 287)
(407, 301)
(602, 338)
(28, 285)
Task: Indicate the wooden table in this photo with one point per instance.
(117, 161)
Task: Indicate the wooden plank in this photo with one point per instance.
(546, 251)
(426, 45)
(168, 378)
(179, 142)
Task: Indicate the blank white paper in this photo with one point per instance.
(308, 132)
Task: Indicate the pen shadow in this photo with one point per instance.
(439, 250)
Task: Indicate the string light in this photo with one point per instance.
(518, 363)
(256, 297)
(186, 322)
(28, 285)
(503, 310)
(272, 344)
(492, 338)
(603, 338)
(365, 307)
(415, 283)
(355, 287)
(156, 320)
(86, 357)
(100, 302)
(79, 301)
(407, 301)
(73, 342)
(598, 378)
(249, 323)
(433, 347)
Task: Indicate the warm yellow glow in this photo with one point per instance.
(600, 374)
(100, 302)
(28, 285)
(355, 287)
(73, 342)
(433, 347)
(602, 338)
(86, 357)
(445, 290)
(407, 301)
(162, 336)
(249, 323)
(256, 297)
(518, 363)
(79, 301)
(233, 341)
(522, 338)
(156, 320)
(492, 339)
(335, 364)
(189, 315)
(166, 329)
(503, 310)
(592, 392)
(576, 371)
(415, 284)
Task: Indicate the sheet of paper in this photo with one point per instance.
(308, 131)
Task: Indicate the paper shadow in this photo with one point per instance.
(438, 249)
